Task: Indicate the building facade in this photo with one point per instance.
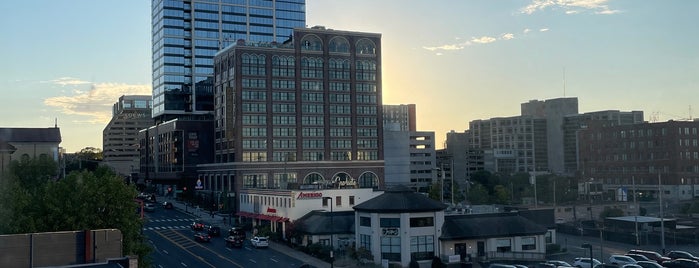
(642, 158)
(304, 114)
(120, 144)
(553, 111)
(187, 34)
(572, 124)
(399, 117)
(410, 159)
(21, 143)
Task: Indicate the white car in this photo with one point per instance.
(585, 262)
(620, 260)
(259, 242)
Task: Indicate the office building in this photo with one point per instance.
(303, 114)
(642, 158)
(410, 159)
(572, 124)
(553, 111)
(399, 117)
(120, 149)
(187, 33)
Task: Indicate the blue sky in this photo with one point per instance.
(456, 60)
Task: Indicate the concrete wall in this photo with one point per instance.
(60, 248)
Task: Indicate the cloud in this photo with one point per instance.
(96, 102)
(570, 6)
(527, 30)
(474, 40)
(483, 39)
(544, 30)
(67, 81)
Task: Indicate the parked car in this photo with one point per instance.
(631, 265)
(559, 263)
(197, 226)
(585, 262)
(259, 242)
(620, 260)
(649, 264)
(681, 263)
(149, 207)
(501, 265)
(678, 254)
(650, 254)
(638, 257)
(202, 237)
(168, 205)
(213, 231)
(544, 265)
(234, 241)
(606, 265)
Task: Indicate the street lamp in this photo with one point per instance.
(332, 229)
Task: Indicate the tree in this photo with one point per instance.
(501, 195)
(435, 191)
(478, 195)
(32, 201)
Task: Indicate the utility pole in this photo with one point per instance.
(662, 221)
(635, 207)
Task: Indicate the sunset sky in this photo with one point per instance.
(456, 60)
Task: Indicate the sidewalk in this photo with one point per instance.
(224, 223)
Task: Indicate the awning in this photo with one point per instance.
(261, 216)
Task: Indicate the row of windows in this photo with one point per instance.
(338, 44)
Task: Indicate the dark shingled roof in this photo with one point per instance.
(474, 226)
(543, 217)
(30, 134)
(400, 199)
(319, 222)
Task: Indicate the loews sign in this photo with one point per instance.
(390, 231)
(311, 195)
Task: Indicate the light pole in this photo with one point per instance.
(590, 247)
(662, 221)
(332, 229)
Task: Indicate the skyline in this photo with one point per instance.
(72, 66)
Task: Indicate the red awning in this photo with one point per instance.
(261, 216)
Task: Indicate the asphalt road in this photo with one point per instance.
(174, 246)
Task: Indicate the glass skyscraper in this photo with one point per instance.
(187, 34)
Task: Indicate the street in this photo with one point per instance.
(168, 230)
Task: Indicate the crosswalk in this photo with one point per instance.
(156, 228)
(169, 224)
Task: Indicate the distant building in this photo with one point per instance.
(19, 143)
(553, 111)
(410, 159)
(399, 117)
(572, 124)
(641, 158)
(120, 144)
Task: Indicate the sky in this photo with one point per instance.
(456, 60)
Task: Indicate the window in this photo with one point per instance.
(365, 241)
(503, 245)
(389, 222)
(421, 247)
(528, 243)
(351, 200)
(390, 248)
(363, 221)
(421, 222)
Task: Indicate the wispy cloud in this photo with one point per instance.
(570, 6)
(67, 81)
(544, 30)
(526, 30)
(474, 40)
(484, 39)
(94, 103)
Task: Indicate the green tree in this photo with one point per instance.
(32, 201)
(435, 191)
(501, 195)
(478, 195)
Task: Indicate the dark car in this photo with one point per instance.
(678, 254)
(167, 205)
(638, 257)
(681, 263)
(234, 241)
(213, 231)
(202, 237)
(650, 254)
(197, 226)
